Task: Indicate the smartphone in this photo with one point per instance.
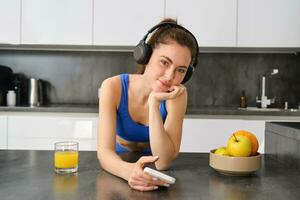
(159, 175)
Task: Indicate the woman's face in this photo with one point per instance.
(168, 65)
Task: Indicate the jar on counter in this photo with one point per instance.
(11, 98)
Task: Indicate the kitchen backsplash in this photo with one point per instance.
(74, 77)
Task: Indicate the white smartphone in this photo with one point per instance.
(159, 175)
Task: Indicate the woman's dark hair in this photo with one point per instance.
(166, 34)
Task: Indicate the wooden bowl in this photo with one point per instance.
(234, 166)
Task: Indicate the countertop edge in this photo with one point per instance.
(201, 112)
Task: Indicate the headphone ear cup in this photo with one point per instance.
(142, 53)
(188, 74)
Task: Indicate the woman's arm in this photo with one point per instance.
(165, 138)
(109, 160)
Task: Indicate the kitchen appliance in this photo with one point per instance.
(5, 83)
(35, 92)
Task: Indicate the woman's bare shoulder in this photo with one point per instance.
(111, 88)
(113, 82)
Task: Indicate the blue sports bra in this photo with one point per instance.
(126, 128)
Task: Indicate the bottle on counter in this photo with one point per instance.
(243, 100)
(11, 98)
(286, 105)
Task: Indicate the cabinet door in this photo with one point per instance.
(119, 22)
(213, 22)
(57, 22)
(269, 23)
(203, 135)
(41, 132)
(10, 21)
(3, 132)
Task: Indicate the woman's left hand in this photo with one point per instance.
(174, 92)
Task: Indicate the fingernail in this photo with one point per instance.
(167, 185)
(155, 156)
(154, 179)
(155, 187)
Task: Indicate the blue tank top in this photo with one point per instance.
(127, 128)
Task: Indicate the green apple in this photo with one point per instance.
(222, 151)
(239, 146)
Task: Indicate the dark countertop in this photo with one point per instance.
(29, 175)
(66, 108)
(192, 111)
(231, 110)
(292, 125)
(282, 142)
(287, 129)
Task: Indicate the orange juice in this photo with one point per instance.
(66, 159)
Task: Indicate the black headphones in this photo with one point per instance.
(142, 51)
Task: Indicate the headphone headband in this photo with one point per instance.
(142, 51)
(160, 25)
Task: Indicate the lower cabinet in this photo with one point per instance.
(3, 132)
(203, 135)
(41, 132)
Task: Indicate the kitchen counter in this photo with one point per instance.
(65, 108)
(192, 112)
(29, 175)
(283, 142)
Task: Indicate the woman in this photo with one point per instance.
(144, 112)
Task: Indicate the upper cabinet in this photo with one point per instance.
(213, 22)
(268, 23)
(57, 22)
(10, 21)
(119, 22)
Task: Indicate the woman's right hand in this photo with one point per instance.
(174, 92)
(139, 180)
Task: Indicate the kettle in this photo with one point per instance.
(35, 92)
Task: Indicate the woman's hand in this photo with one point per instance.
(139, 180)
(174, 92)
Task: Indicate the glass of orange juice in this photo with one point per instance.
(66, 157)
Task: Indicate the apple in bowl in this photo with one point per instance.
(239, 157)
(239, 146)
(234, 166)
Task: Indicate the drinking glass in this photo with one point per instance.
(66, 157)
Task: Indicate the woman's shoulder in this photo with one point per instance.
(111, 87)
(112, 82)
(111, 90)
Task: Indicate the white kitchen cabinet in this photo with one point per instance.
(203, 135)
(57, 22)
(269, 23)
(124, 23)
(10, 21)
(213, 22)
(3, 132)
(41, 132)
